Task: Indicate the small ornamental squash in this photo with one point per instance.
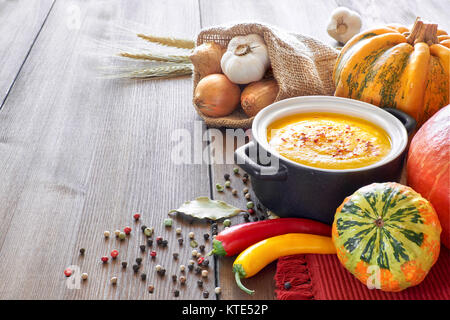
(392, 67)
(389, 227)
(428, 166)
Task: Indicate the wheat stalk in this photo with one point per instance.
(156, 57)
(168, 41)
(161, 72)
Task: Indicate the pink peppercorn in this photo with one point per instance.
(104, 259)
(251, 211)
(127, 230)
(136, 216)
(152, 254)
(114, 254)
(68, 272)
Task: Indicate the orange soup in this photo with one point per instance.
(328, 141)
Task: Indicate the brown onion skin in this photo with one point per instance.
(258, 95)
(216, 96)
(206, 58)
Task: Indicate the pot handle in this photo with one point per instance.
(277, 173)
(407, 120)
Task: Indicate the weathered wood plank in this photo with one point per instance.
(21, 21)
(81, 154)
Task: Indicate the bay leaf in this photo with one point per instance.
(205, 208)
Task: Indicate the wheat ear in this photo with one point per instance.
(170, 42)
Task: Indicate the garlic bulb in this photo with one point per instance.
(344, 24)
(246, 59)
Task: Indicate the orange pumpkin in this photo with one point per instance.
(428, 166)
(393, 67)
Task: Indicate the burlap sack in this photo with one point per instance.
(301, 65)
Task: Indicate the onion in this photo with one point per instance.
(258, 95)
(206, 58)
(216, 96)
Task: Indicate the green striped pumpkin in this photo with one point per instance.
(390, 226)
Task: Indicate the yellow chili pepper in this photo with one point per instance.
(257, 256)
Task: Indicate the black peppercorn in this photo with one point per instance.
(200, 283)
(135, 267)
(150, 242)
(287, 285)
(174, 278)
(197, 270)
(205, 263)
(164, 243)
(143, 228)
(138, 260)
(175, 255)
(143, 276)
(82, 251)
(159, 240)
(190, 267)
(124, 264)
(142, 247)
(180, 241)
(244, 180)
(245, 175)
(206, 236)
(226, 176)
(176, 293)
(202, 248)
(246, 216)
(255, 219)
(205, 294)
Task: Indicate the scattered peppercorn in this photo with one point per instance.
(219, 187)
(143, 228)
(117, 233)
(227, 222)
(122, 235)
(84, 276)
(178, 230)
(250, 205)
(245, 175)
(142, 247)
(124, 264)
(227, 184)
(137, 216)
(226, 176)
(139, 260)
(114, 254)
(206, 236)
(182, 280)
(200, 283)
(191, 262)
(159, 240)
(200, 260)
(143, 276)
(176, 293)
(113, 280)
(218, 290)
(127, 230)
(175, 255)
(248, 196)
(164, 243)
(168, 222)
(236, 170)
(246, 217)
(106, 234)
(174, 277)
(197, 270)
(104, 259)
(150, 242)
(251, 211)
(205, 294)
(68, 272)
(180, 241)
(135, 268)
(190, 267)
(182, 268)
(191, 235)
(234, 192)
(205, 263)
(151, 289)
(148, 232)
(152, 254)
(82, 251)
(194, 253)
(202, 248)
(204, 273)
(287, 285)
(158, 268)
(244, 180)
(162, 272)
(193, 244)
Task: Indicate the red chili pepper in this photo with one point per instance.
(235, 239)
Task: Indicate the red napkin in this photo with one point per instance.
(322, 277)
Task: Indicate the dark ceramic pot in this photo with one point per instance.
(290, 189)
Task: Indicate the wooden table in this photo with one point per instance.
(80, 154)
